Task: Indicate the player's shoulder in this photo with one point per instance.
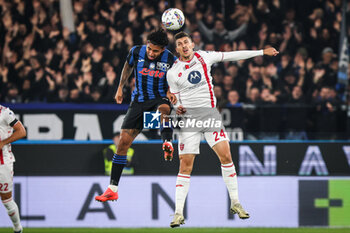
(170, 56)
(136, 49)
(202, 53)
(170, 53)
(176, 64)
(5, 111)
(174, 68)
(205, 53)
(3, 108)
(209, 55)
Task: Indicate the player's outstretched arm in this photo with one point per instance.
(126, 72)
(246, 54)
(271, 51)
(19, 132)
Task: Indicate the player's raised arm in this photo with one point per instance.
(126, 72)
(240, 55)
(246, 54)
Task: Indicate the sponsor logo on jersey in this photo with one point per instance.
(190, 65)
(152, 73)
(194, 77)
(163, 66)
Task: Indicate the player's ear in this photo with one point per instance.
(192, 44)
(176, 48)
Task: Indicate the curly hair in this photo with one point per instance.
(158, 37)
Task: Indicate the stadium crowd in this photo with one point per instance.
(42, 61)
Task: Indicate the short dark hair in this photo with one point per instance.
(181, 35)
(116, 134)
(159, 38)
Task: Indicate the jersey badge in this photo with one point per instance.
(194, 77)
(163, 66)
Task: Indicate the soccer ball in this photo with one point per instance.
(173, 19)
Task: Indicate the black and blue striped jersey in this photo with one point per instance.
(150, 75)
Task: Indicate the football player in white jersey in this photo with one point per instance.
(190, 80)
(11, 130)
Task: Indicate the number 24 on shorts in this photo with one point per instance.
(222, 134)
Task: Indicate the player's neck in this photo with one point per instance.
(187, 58)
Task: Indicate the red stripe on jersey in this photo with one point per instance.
(207, 78)
(1, 157)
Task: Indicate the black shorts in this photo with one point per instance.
(134, 116)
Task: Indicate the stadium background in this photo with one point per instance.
(288, 116)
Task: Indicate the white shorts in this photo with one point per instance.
(189, 141)
(6, 177)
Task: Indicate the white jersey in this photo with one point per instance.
(192, 80)
(7, 120)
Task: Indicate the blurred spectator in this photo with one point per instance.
(252, 117)
(326, 114)
(296, 116)
(270, 116)
(63, 95)
(12, 95)
(197, 39)
(253, 95)
(218, 34)
(236, 109)
(233, 99)
(220, 99)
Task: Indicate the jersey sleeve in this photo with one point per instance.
(131, 56)
(10, 117)
(170, 77)
(213, 56)
(241, 55)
